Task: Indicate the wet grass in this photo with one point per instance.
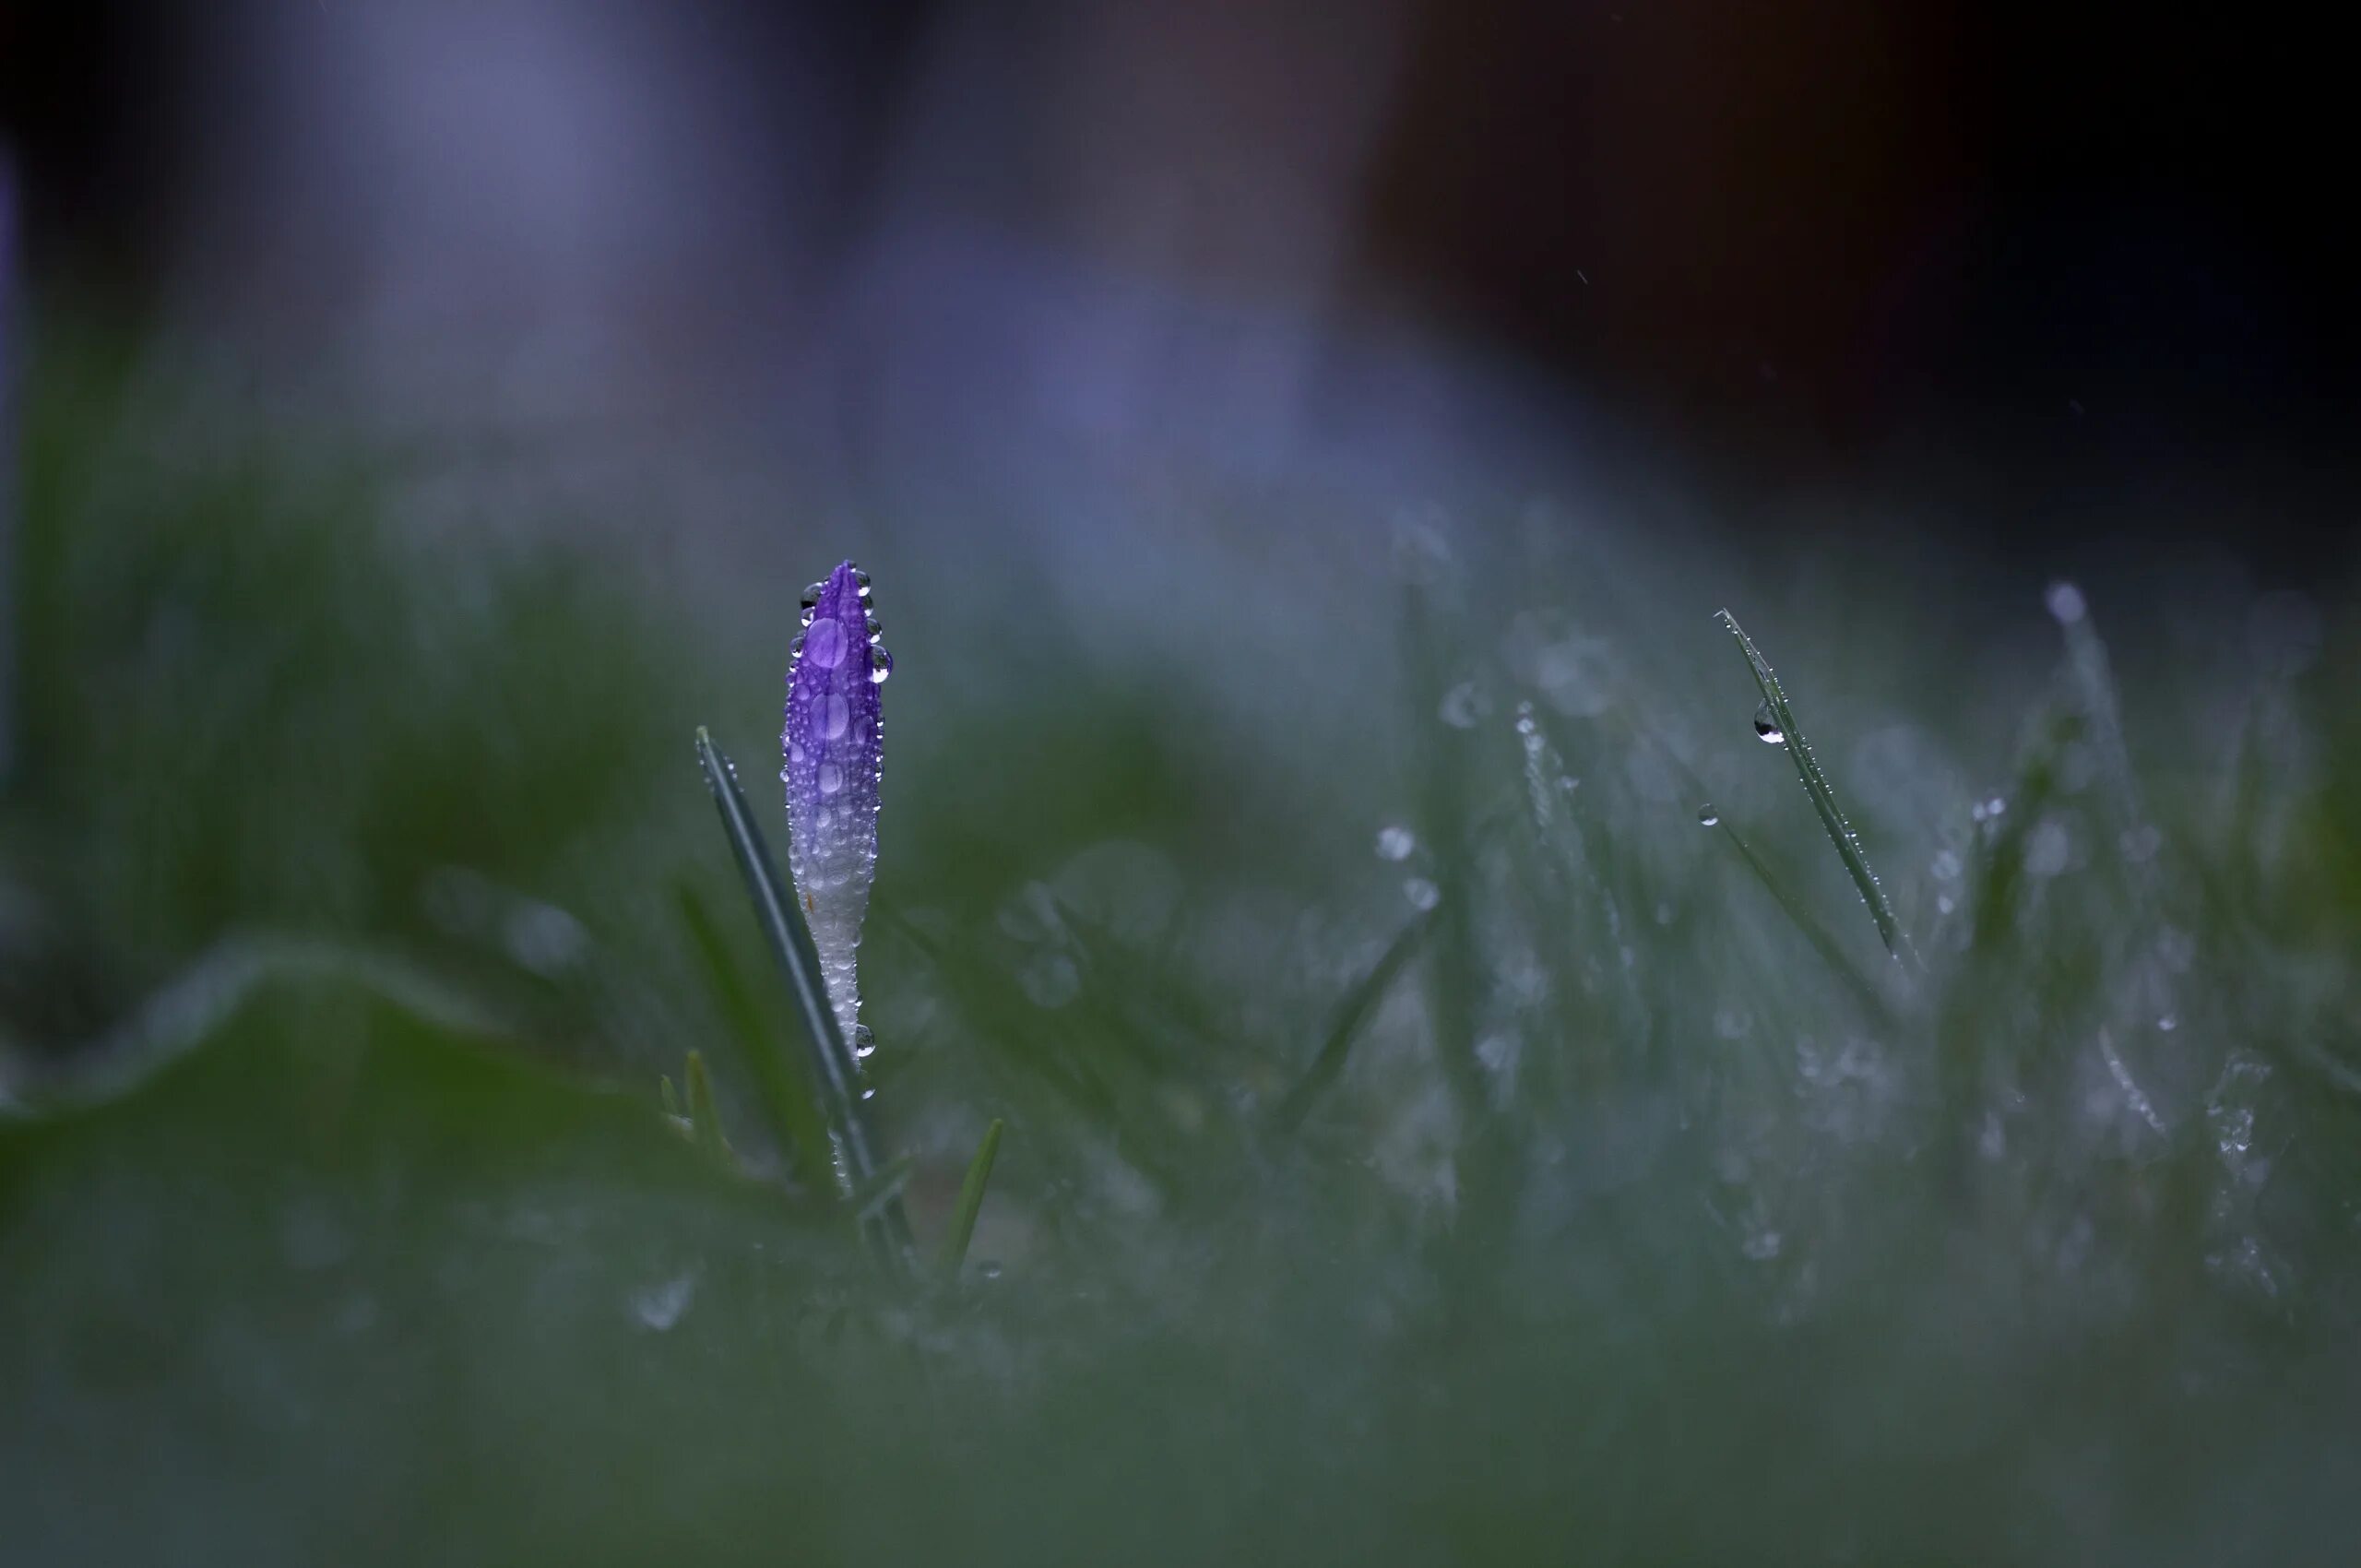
(1566, 1180)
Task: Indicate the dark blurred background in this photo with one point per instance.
(2073, 272)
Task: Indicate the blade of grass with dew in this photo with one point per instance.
(1824, 799)
(972, 1202)
(835, 1070)
(1352, 1014)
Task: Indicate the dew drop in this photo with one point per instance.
(836, 716)
(1946, 865)
(869, 1093)
(825, 642)
(658, 1307)
(812, 592)
(1707, 816)
(832, 778)
(1050, 981)
(2168, 1023)
(795, 752)
(881, 665)
(1423, 895)
(1394, 843)
(2065, 602)
(795, 649)
(1464, 705)
(989, 1270)
(1766, 726)
(2051, 849)
(864, 1042)
(809, 611)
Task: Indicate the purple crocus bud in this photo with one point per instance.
(833, 740)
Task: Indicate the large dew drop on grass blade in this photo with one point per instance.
(1766, 727)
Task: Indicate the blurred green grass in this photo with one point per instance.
(1638, 1210)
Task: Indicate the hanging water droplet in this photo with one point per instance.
(1394, 843)
(825, 642)
(1766, 726)
(864, 1042)
(809, 611)
(1464, 705)
(869, 1093)
(1707, 816)
(881, 665)
(2065, 602)
(795, 649)
(860, 581)
(812, 593)
(1423, 895)
(2051, 849)
(2168, 1023)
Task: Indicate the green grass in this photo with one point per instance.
(1628, 1204)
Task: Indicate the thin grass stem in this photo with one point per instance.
(835, 1070)
(972, 1202)
(1346, 1026)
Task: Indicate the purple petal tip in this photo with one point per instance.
(832, 741)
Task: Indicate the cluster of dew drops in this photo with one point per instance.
(883, 662)
(832, 640)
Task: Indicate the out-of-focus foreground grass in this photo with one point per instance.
(1645, 1210)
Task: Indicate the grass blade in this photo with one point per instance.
(834, 1069)
(971, 1201)
(1824, 942)
(1352, 1013)
(1824, 799)
(780, 1082)
(704, 1116)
